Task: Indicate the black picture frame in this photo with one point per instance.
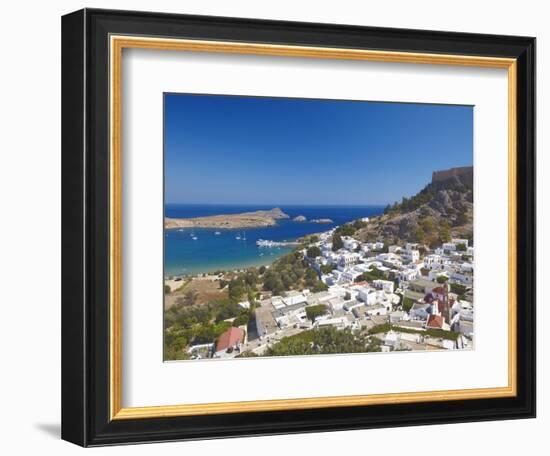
(85, 228)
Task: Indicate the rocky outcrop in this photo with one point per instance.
(444, 207)
(299, 218)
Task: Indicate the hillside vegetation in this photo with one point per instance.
(441, 210)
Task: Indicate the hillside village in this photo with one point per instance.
(417, 303)
(342, 292)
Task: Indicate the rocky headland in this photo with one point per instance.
(254, 219)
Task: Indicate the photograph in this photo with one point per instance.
(299, 226)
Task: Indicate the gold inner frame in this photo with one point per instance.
(117, 44)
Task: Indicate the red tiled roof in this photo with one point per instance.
(439, 290)
(230, 338)
(435, 321)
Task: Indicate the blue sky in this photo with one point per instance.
(254, 150)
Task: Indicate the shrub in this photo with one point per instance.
(312, 312)
(313, 252)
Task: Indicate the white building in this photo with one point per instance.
(377, 309)
(411, 255)
(363, 293)
(449, 246)
(409, 274)
(350, 243)
(397, 316)
(338, 322)
(392, 339)
(294, 297)
(386, 285)
(458, 241)
(347, 259)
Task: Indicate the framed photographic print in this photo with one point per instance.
(276, 227)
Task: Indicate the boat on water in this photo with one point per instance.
(238, 237)
(217, 233)
(244, 236)
(278, 245)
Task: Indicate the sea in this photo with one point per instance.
(191, 251)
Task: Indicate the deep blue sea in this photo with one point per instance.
(211, 252)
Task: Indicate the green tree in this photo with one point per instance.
(407, 304)
(458, 288)
(167, 289)
(441, 279)
(371, 275)
(327, 268)
(251, 277)
(337, 242)
(313, 252)
(238, 287)
(418, 234)
(347, 229)
(189, 298)
(319, 286)
(312, 312)
(322, 341)
(311, 277)
(241, 320)
(358, 224)
(461, 247)
(444, 232)
(428, 225)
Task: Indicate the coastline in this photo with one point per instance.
(240, 266)
(193, 250)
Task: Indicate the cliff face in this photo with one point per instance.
(442, 209)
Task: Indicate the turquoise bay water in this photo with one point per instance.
(210, 252)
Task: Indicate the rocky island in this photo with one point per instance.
(299, 218)
(254, 219)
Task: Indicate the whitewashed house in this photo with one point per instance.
(386, 285)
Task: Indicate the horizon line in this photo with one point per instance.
(273, 205)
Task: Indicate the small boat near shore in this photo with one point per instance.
(277, 244)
